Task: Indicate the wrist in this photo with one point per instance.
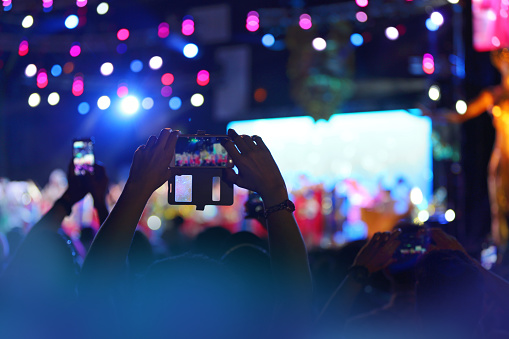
(274, 197)
(359, 273)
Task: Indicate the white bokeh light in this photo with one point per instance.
(434, 93)
(147, 103)
(423, 216)
(30, 70)
(53, 98)
(27, 22)
(154, 222)
(437, 18)
(155, 62)
(391, 33)
(130, 105)
(449, 215)
(34, 100)
(197, 100)
(106, 68)
(461, 107)
(103, 102)
(190, 51)
(102, 8)
(319, 44)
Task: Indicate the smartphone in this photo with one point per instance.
(83, 156)
(414, 240)
(201, 151)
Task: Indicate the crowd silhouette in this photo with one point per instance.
(414, 281)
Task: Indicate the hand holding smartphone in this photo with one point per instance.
(201, 151)
(83, 156)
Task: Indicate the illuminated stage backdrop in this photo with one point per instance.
(368, 147)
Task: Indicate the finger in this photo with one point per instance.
(259, 142)
(229, 146)
(151, 141)
(239, 141)
(230, 176)
(376, 237)
(385, 236)
(248, 141)
(172, 141)
(163, 137)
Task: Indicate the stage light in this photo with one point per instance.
(106, 68)
(136, 66)
(434, 93)
(166, 91)
(167, 79)
(268, 40)
(53, 98)
(56, 70)
(23, 48)
(103, 102)
(431, 26)
(75, 50)
(423, 216)
(147, 103)
(188, 25)
(155, 62)
(83, 108)
(34, 100)
(123, 34)
(361, 16)
(428, 64)
(175, 103)
(356, 39)
(27, 22)
(305, 21)
(197, 100)
(449, 215)
(72, 21)
(121, 48)
(163, 30)
(154, 222)
(203, 78)
(129, 105)
(361, 3)
(30, 70)
(253, 21)
(190, 50)
(319, 44)
(391, 33)
(103, 8)
(437, 18)
(122, 90)
(461, 107)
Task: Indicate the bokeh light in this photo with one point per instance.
(305, 21)
(42, 78)
(431, 26)
(423, 216)
(166, 91)
(123, 34)
(203, 78)
(75, 50)
(103, 102)
(30, 70)
(129, 105)
(155, 62)
(56, 70)
(147, 103)
(175, 103)
(434, 93)
(449, 215)
(190, 50)
(107, 68)
(361, 3)
(260, 95)
(437, 18)
(428, 64)
(34, 100)
(197, 100)
(253, 21)
(163, 30)
(121, 48)
(28, 21)
(23, 48)
(53, 98)
(81, 3)
(71, 21)
(187, 26)
(167, 79)
(103, 8)
(68, 67)
(122, 90)
(361, 16)
(78, 85)
(319, 44)
(268, 40)
(83, 108)
(136, 66)
(154, 222)
(461, 107)
(356, 39)
(391, 33)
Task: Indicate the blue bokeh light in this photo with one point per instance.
(190, 51)
(431, 26)
(268, 40)
(8, 8)
(83, 108)
(72, 21)
(121, 48)
(356, 39)
(56, 70)
(136, 66)
(175, 103)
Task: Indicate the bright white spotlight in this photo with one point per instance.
(30, 70)
(104, 102)
(391, 33)
(437, 18)
(461, 107)
(190, 51)
(154, 222)
(423, 216)
(106, 68)
(28, 21)
(155, 62)
(416, 196)
(197, 100)
(53, 98)
(434, 93)
(319, 44)
(129, 105)
(34, 100)
(102, 8)
(72, 21)
(449, 215)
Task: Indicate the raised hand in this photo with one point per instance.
(98, 184)
(444, 241)
(377, 253)
(257, 170)
(77, 186)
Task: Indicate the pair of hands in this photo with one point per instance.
(257, 170)
(80, 186)
(378, 252)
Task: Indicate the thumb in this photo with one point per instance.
(230, 176)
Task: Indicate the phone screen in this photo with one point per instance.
(201, 151)
(83, 156)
